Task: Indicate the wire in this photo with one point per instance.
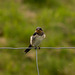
(36, 51)
(37, 62)
(40, 47)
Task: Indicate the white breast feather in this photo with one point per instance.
(36, 40)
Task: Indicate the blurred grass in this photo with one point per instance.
(18, 21)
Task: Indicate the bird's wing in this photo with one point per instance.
(32, 38)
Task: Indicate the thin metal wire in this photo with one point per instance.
(37, 62)
(36, 51)
(40, 47)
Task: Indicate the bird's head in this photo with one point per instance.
(38, 30)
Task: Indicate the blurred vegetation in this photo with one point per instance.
(18, 21)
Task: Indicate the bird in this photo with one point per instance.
(36, 39)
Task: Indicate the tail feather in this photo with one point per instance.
(28, 49)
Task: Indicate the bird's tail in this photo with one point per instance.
(28, 49)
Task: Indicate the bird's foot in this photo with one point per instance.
(35, 47)
(38, 47)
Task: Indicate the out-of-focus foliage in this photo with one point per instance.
(18, 21)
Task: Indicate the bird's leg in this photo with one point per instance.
(38, 47)
(35, 47)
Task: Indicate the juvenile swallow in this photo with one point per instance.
(36, 39)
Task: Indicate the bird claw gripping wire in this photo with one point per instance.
(37, 48)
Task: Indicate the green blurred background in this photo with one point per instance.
(18, 21)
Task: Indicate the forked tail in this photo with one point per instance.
(28, 49)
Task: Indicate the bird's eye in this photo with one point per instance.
(40, 29)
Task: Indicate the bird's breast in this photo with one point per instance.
(38, 40)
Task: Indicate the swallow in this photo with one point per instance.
(36, 39)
